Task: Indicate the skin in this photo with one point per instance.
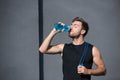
(76, 33)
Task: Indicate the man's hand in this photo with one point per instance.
(83, 70)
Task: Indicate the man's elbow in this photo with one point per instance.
(42, 50)
(104, 71)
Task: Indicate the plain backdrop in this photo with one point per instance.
(19, 40)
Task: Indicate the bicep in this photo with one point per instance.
(97, 58)
(55, 49)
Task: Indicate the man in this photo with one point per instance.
(74, 51)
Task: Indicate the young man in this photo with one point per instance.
(74, 51)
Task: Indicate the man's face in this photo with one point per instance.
(76, 29)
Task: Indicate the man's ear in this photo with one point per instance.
(83, 31)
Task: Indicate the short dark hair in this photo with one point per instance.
(85, 25)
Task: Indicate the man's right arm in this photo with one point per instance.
(47, 48)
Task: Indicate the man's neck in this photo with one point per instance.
(78, 41)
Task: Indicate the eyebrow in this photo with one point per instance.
(75, 24)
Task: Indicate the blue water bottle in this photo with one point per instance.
(58, 26)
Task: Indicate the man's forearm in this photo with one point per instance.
(97, 71)
(46, 43)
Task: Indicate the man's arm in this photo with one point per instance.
(98, 61)
(47, 48)
(100, 65)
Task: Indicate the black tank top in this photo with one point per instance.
(71, 58)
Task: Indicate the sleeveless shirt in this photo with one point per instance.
(71, 58)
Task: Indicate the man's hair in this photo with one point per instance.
(85, 25)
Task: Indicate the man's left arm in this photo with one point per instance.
(98, 61)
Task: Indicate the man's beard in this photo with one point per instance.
(74, 36)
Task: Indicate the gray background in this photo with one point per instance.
(19, 40)
(103, 17)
